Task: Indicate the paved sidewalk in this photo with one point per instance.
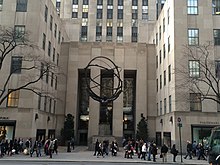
(83, 155)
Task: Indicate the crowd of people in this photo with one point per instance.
(28, 147)
(102, 148)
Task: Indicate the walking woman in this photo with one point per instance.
(174, 151)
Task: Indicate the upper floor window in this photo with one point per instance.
(216, 7)
(168, 16)
(1, 5)
(120, 13)
(44, 41)
(21, 5)
(164, 78)
(192, 7)
(20, 31)
(13, 98)
(144, 12)
(85, 2)
(45, 13)
(120, 2)
(217, 69)
(160, 81)
(75, 2)
(99, 14)
(51, 22)
(193, 36)
(169, 73)
(170, 104)
(99, 2)
(58, 6)
(195, 102)
(216, 34)
(109, 13)
(194, 69)
(144, 2)
(16, 63)
(134, 34)
(134, 2)
(110, 2)
(98, 33)
(49, 48)
(163, 24)
(165, 106)
(169, 44)
(55, 30)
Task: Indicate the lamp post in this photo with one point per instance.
(179, 124)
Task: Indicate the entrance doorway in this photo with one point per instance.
(41, 133)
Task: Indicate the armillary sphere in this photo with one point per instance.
(93, 83)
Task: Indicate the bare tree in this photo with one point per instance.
(199, 72)
(33, 67)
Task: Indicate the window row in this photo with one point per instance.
(51, 23)
(50, 49)
(192, 7)
(163, 79)
(164, 106)
(16, 68)
(48, 106)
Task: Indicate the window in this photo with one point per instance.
(160, 33)
(110, 2)
(164, 78)
(120, 13)
(50, 104)
(21, 5)
(216, 36)
(84, 33)
(120, 31)
(195, 102)
(59, 35)
(99, 14)
(85, 2)
(109, 34)
(45, 13)
(16, 63)
(47, 76)
(160, 107)
(42, 70)
(58, 7)
(194, 69)
(20, 32)
(164, 51)
(1, 5)
(49, 48)
(39, 101)
(165, 106)
(144, 12)
(58, 56)
(168, 16)
(217, 69)
(98, 33)
(216, 7)
(54, 51)
(51, 80)
(109, 13)
(192, 7)
(160, 81)
(169, 44)
(145, 2)
(99, 2)
(84, 14)
(134, 2)
(134, 34)
(193, 36)
(51, 22)
(44, 41)
(55, 82)
(160, 55)
(120, 2)
(157, 84)
(170, 104)
(13, 98)
(75, 9)
(157, 109)
(169, 73)
(55, 30)
(163, 24)
(74, 14)
(75, 2)
(156, 38)
(45, 103)
(156, 61)
(134, 13)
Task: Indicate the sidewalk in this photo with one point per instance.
(81, 154)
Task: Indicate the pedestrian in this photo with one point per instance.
(51, 147)
(96, 147)
(73, 143)
(55, 146)
(174, 151)
(39, 146)
(189, 150)
(154, 151)
(143, 151)
(164, 150)
(201, 152)
(149, 148)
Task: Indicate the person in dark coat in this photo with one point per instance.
(164, 150)
(96, 147)
(189, 150)
(154, 151)
(174, 151)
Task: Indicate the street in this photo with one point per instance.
(68, 163)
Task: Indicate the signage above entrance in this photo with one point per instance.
(208, 122)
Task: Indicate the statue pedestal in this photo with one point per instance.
(104, 129)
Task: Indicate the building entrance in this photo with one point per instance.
(7, 129)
